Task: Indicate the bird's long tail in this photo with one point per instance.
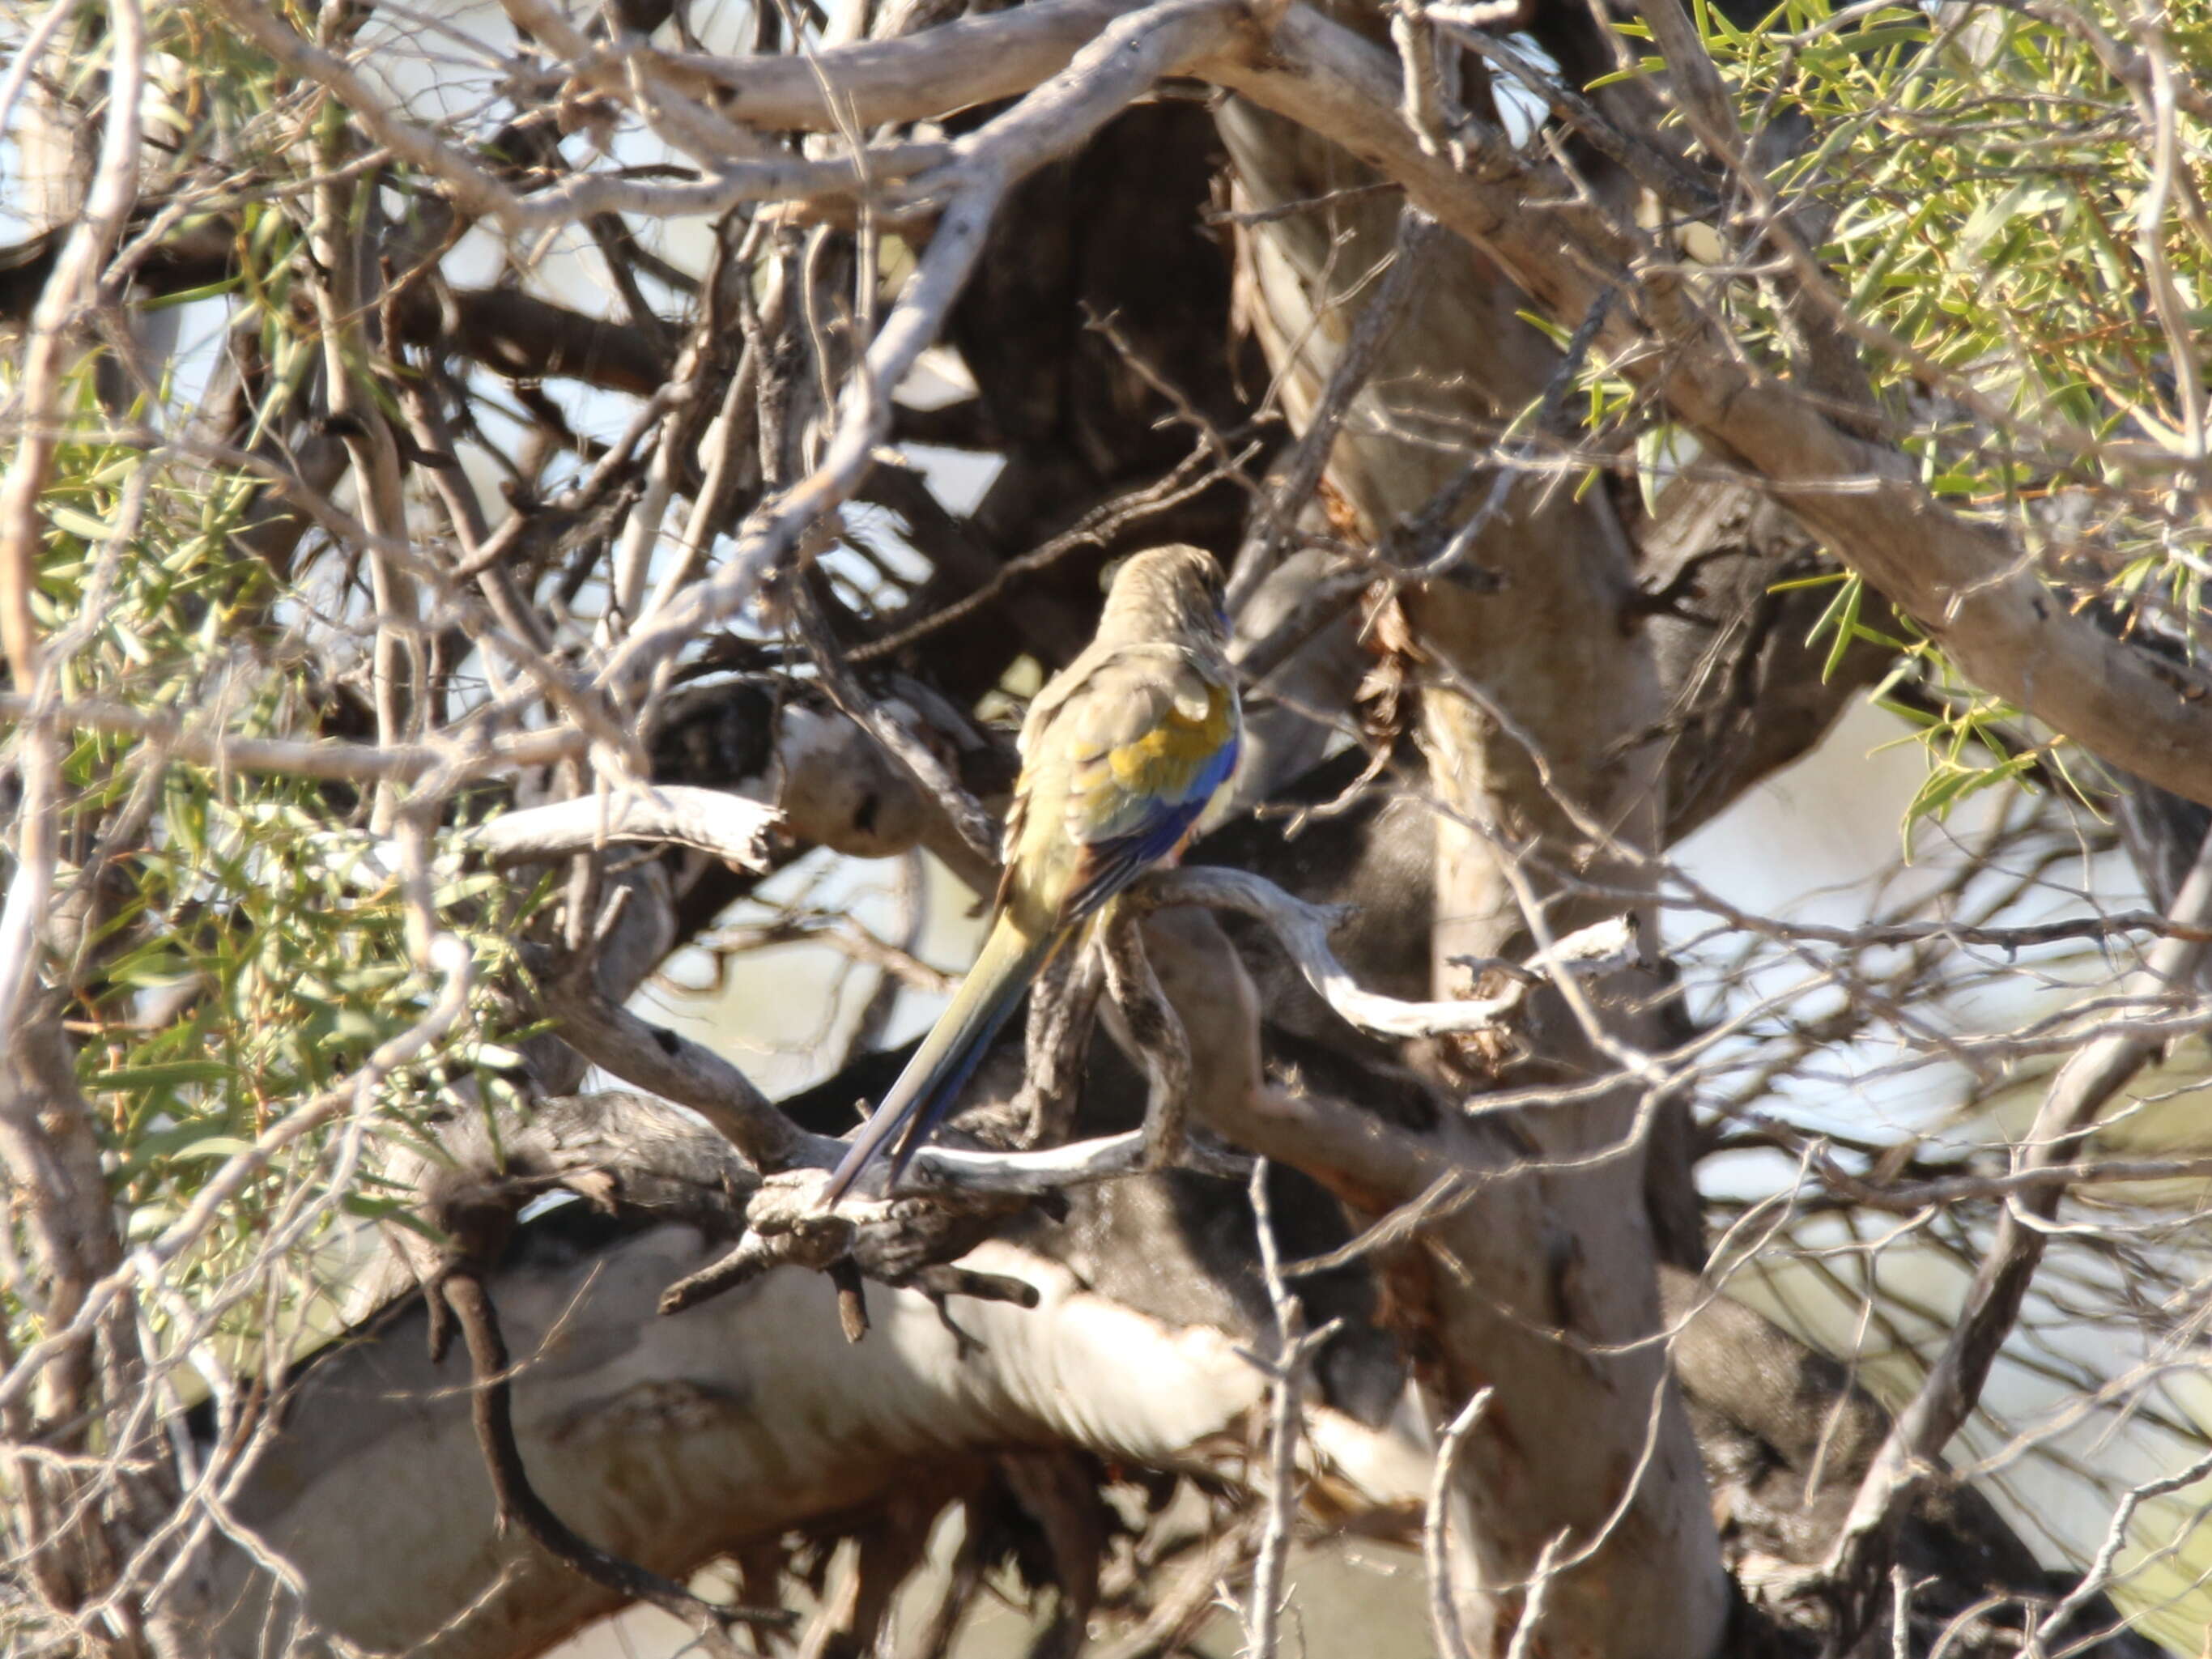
(948, 1056)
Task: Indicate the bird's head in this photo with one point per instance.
(1166, 593)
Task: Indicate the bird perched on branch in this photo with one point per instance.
(1121, 754)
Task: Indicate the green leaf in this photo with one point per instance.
(185, 297)
(81, 524)
(166, 1074)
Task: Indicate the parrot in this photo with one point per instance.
(1121, 753)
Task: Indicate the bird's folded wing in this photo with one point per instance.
(1145, 748)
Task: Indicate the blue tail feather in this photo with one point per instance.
(930, 1108)
(933, 1079)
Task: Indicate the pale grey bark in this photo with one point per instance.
(674, 1440)
(1535, 715)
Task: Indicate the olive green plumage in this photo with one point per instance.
(1121, 754)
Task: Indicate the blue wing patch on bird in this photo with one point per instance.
(1110, 866)
(1179, 755)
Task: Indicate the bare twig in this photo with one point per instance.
(462, 752)
(2100, 1575)
(1193, 1592)
(1954, 1384)
(1126, 59)
(1541, 1579)
(1651, 164)
(1917, 1197)
(1303, 931)
(2182, 336)
(936, 781)
(1430, 105)
(1028, 1173)
(399, 668)
(1445, 1626)
(492, 1408)
(54, 320)
(1293, 1346)
(1379, 317)
(738, 831)
(1513, 455)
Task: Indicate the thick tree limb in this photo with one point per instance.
(673, 1446)
(1163, 1045)
(970, 60)
(1974, 591)
(653, 1058)
(516, 334)
(513, 332)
